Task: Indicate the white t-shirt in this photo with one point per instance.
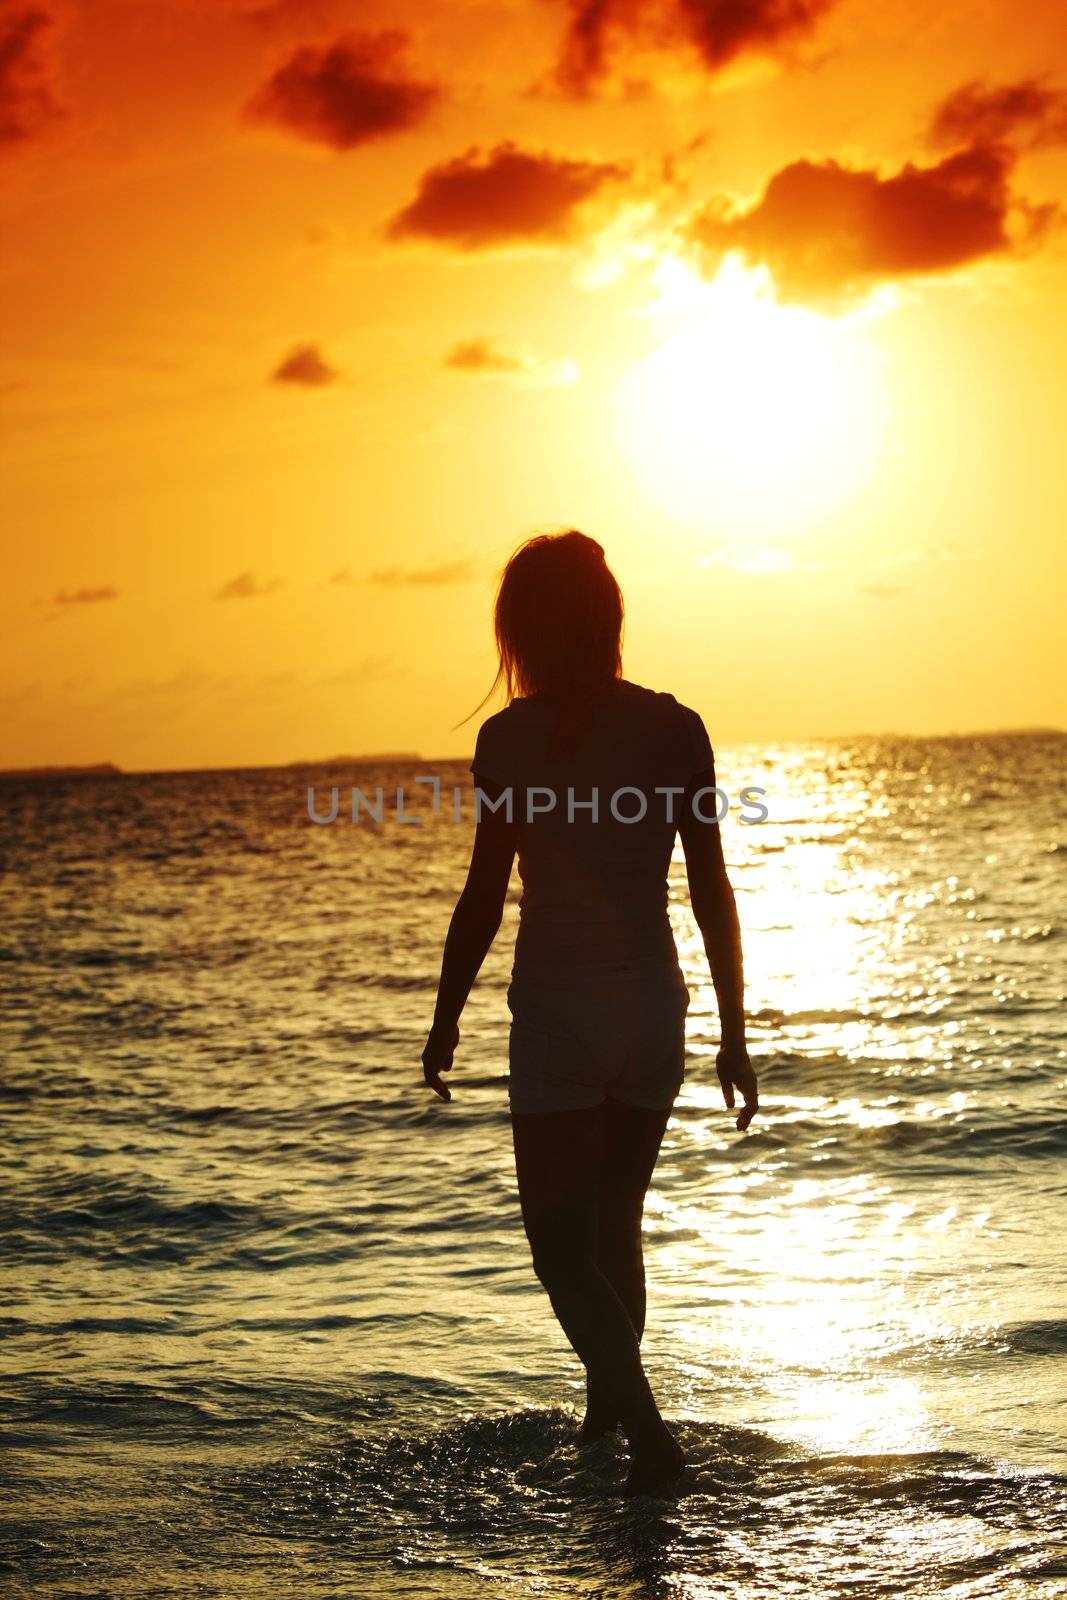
(594, 883)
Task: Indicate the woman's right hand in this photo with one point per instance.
(735, 1071)
(437, 1057)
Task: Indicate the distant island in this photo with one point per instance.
(99, 769)
(349, 761)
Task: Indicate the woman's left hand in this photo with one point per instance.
(736, 1071)
(437, 1057)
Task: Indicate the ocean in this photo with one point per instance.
(269, 1324)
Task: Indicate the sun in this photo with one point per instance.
(750, 419)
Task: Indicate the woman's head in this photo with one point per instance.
(558, 618)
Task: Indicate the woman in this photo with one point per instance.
(588, 778)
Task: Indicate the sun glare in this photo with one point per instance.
(750, 419)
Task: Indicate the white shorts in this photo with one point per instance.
(579, 1037)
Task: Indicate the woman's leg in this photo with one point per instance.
(631, 1140)
(557, 1160)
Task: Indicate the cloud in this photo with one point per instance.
(828, 232)
(85, 597)
(28, 693)
(482, 355)
(908, 558)
(753, 561)
(287, 15)
(305, 365)
(984, 114)
(444, 573)
(716, 31)
(184, 682)
(246, 586)
(488, 358)
(346, 93)
(884, 591)
(369, 669)
(306, 18)
(447, 572)
(507, 195)
(191, 683)
(29, 103)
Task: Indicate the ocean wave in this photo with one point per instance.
(423, 982)
(309, 1116)
(126, 1217)
(955, 1142)
(185, 1409)
(127, 958)
(973, 1348)
(511, 1493)
(1041, 1338)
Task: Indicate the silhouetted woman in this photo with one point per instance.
(588, 778)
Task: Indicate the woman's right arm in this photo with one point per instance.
(473, 927)
(715, 911)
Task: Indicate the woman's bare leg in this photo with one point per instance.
(557, 1160)
(631, 1139)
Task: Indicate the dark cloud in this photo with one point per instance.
(29, 102)
(430, 577)
(246, 586)
(346, 93)
(287, 15)
(305, 365)
(304, 18)
(828, 232)
(488, 358)
(483, 355)
(1029, 111)
(479, 202)
(85, 597)
(602, 32)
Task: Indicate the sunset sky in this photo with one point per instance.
(310, 310)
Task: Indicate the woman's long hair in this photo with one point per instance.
(558, 622)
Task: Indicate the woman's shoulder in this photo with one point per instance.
(656, 701)
(515, 714)
(682, 728)
(502, 738)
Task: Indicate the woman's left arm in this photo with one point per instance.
(472, 930)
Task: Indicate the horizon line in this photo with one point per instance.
(113, 769)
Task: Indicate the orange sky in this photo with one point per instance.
(310, 310)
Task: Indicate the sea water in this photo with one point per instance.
(269, 1323)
